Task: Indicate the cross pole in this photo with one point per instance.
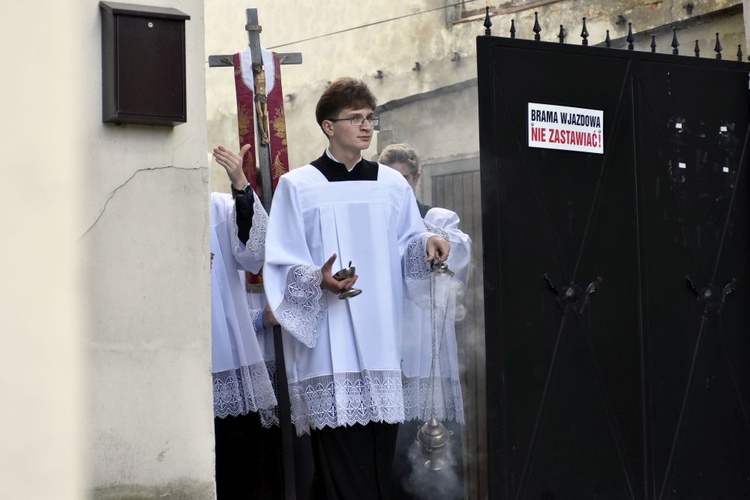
(214, 61)
(264, 167)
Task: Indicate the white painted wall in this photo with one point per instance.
(106, 377)
(143, 235)
(41, 347)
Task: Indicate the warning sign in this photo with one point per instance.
(566, 128)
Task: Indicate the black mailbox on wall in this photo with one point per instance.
(143, 64)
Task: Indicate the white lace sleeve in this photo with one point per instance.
(436, 230)
(304, 304)
(256, 243)
(417, 271)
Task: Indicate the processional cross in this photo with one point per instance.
(264, 154)
(264, 167)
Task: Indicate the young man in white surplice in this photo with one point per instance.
(432, 386)
(242, 386)
(343, 357)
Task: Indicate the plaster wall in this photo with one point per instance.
(337, 38)
(41, 428)
(731, 29)
(143, 239)
(440, 125)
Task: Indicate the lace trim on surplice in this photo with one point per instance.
(346, 399)
(415, 262)
(256, 242)
(418, 397)
(254, 313)
(436, 230)
(242, 390)
(304, 304)
(269, 417)
(417, 272)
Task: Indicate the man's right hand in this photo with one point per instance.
(332, 284)
(232, 163)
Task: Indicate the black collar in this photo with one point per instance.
(334, 171)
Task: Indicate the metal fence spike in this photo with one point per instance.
(675, 42)
(739, 52)
(608, 40)
(561, 34)
(653, 43)
(697, 49)
(537, 29)
(487, 22)
(585, 33)
(512, 28)
(717, 47)
(630, 37)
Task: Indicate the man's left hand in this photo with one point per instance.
(437, 249)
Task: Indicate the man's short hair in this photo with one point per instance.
(343, 93)
(400, 153)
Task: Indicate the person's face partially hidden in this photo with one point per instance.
(403, 168)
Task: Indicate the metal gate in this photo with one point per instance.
(616, 281)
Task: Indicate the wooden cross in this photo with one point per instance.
(264, 153)
(264, 167)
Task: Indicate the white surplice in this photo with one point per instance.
(256, 302)
(432, 385)
(343, 357)
(240, 379)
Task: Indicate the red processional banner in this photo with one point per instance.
(247, 107)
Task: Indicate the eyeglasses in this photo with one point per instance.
(358, 120)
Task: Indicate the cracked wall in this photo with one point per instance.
(143, 236)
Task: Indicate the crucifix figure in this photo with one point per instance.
(261, 101)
